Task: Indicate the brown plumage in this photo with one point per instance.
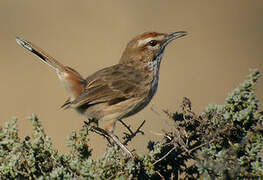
(118, 91)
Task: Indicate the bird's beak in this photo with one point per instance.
(175, 35)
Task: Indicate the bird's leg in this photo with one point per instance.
(91, 122)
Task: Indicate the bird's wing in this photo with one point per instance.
(112, 85)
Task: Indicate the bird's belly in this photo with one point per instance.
(106, 112)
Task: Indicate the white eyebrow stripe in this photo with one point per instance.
(144, 41)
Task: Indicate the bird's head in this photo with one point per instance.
(147, 47)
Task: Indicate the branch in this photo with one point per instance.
(185, 151)
(129, 137)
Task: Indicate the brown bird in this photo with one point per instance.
(118, 91)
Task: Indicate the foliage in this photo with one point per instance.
(224, 142)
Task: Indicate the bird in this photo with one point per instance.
(116, 92)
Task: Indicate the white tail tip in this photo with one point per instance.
(24, 44)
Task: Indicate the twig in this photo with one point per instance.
(201, 145)
(125, 125)
(26, 166)
(108, 136)
(160, 134)
(171, 150)
(102, 133)
(132, 134)
(98, 131)
(185, 151)
(161, 176)
(23, 173)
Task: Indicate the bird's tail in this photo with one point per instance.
(43, 56)
(71, 79)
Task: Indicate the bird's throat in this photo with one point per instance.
(154, 67)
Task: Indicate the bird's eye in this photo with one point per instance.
(153, 43)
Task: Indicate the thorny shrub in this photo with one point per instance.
(223, 142)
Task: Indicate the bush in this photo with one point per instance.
(224, 142)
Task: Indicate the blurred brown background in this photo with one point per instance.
(225, 40)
